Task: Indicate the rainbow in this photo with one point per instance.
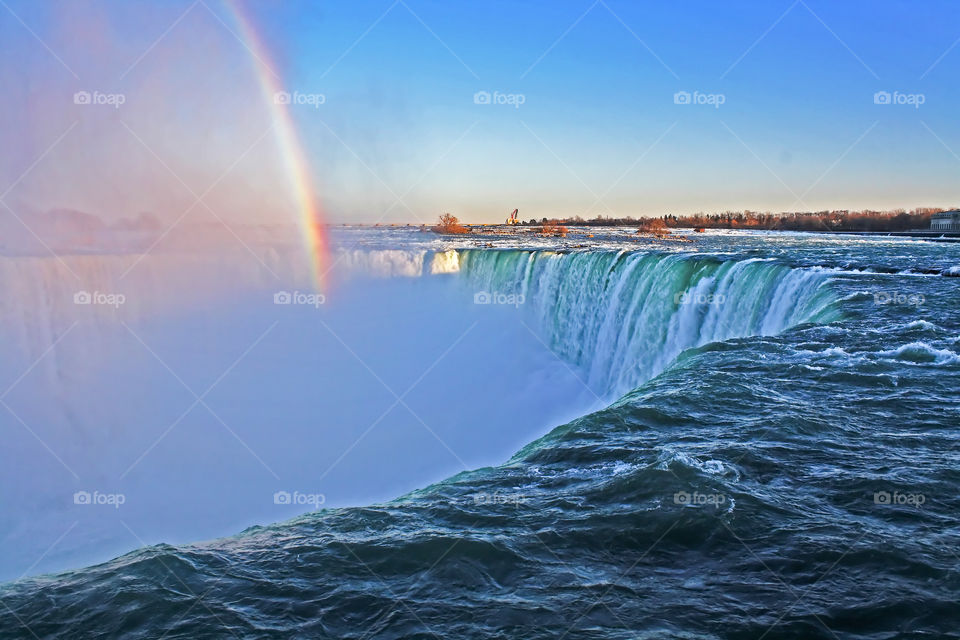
(309, 212)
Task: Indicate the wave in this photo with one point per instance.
(624, 317)
(922, 325)
(921, 352)
(882, 270)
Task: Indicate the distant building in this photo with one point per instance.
(946, 221)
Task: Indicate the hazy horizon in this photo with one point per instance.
(405, 110)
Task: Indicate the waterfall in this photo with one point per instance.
(624, 317)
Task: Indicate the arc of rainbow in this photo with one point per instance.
(309, 214)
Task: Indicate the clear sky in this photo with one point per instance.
(583, 116)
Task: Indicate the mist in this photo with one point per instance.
(180, 395)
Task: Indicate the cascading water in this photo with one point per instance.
(624, 317)
(821, 456)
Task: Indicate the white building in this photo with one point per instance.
(945, 221)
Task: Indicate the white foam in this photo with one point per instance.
(921, 324)
(921, 352)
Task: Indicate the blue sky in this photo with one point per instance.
(598, 130)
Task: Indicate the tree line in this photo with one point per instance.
(836, 220)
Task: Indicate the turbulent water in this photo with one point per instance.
(778, 459)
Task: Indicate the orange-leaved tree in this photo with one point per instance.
(449, 224)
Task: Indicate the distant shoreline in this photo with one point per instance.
(935, 236)
(918, 220)
(479, 229)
